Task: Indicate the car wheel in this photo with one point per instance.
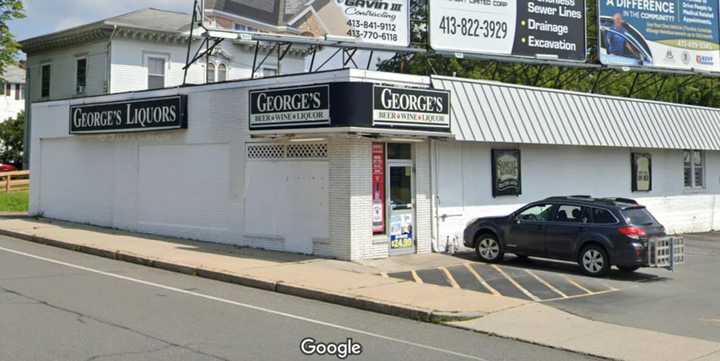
(594, 261)
(628, 269)
(488, 248)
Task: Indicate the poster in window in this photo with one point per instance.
(506, 173)
(378, 188)
(641, 172)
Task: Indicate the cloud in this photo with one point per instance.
(46, 16)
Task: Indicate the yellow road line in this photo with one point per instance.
(572, 282)
(416, 277)
(580, 296)
(482, 281)
(523, 290)
(547, 284)
(449, 277)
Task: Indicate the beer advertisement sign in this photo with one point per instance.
(506, 174)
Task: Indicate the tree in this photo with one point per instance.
(688, 89)
(12, 134)
(9, 10)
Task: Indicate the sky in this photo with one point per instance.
(47, 16)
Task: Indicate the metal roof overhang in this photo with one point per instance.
(492, 112)
(371, 132)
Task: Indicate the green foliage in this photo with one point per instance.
(12, 133)
(9, 10)
(688, 89)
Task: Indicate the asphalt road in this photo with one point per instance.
(685, 302)
(61, 305)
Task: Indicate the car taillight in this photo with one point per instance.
(632, 232)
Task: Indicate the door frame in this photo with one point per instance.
(397, 163)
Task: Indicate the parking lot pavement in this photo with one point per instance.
(535, 279)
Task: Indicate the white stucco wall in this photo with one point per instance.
(464, 189)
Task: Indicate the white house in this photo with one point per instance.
(12, 92)
(144, 49)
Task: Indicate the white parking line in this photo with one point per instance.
(449, 277)
(572, 282)
(416, 278)
(482, 281)
(547, 284)
(517, 285)
(245, 305)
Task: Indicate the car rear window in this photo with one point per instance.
(638, 216)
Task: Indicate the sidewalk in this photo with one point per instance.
(361, 286)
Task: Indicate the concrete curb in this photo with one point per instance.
(404, 311)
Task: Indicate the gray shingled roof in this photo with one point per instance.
(145, 19)
(152, 19)
(485, 111)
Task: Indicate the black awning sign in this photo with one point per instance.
(290, 107)
(394, 106)
(150, 114)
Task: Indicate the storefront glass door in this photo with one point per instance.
(401, 207)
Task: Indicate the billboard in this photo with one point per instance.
(377, 22)
(544, 28)
(677, 34)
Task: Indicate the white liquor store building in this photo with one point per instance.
(356, 164)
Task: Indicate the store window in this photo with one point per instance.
(694, 168)
(46, 73)
(156, 72)
(80, 75)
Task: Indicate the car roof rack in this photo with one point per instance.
(621, 200)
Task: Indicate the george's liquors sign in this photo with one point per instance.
(149, 114)
(393, 106)
(290, 107)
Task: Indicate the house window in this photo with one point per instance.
(221, 72)
(211, 73)
(80, 75)
(242, 27)
(45, 81)
(18, 92)
(8, 88)
(156, 72)
(694, 168)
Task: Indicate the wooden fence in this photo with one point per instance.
(15, 181)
